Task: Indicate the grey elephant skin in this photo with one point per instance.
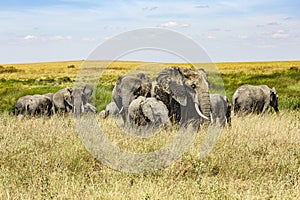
(254, 99)
(21, 105)
(111, 110)
(62, 100)
(185, 92)
(127, 89)
(220, 109)
(80, 98)
(74, 99)
(34, 105)
(89, 108)
(148, 112)
(88, 91)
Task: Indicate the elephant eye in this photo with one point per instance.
(138, 92)
(193, 86)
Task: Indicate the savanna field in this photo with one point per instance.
(44, 158)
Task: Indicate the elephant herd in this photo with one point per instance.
(178, 95)
(75, 100)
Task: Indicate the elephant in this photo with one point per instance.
(34, 105)
(39, 105)
(254, 99)
(204, 75)
(50, 95)
(127, 89)
(88, 91)
(221, 110)
(110, 110)
(78, 100)
(89, 108)
(185, 92)
(148, 112)
(21, 104)
(62, 100)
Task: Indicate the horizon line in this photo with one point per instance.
(83, 60)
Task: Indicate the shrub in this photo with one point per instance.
(71, 66)
(9, 69)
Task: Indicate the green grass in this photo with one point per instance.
(42, 78)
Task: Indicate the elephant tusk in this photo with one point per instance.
(199, 112)
(82, 108)
(121, 110)
(211, 118)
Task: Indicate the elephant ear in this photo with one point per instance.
(116, 91)
(172, 82)
(87, 89)
(67, 98)
(143, 77)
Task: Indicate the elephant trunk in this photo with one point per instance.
(78, 107)
(77, 104)
(276, 110)
(124, 113)
(204, 104)
(125, 104)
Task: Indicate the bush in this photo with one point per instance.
(71, 66)
(64, 79)
(9, 69)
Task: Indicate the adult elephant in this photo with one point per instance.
(148, 112)
(79, 101)
(254, 99)
(39, 105)
(221, 110)
(185, 92)
(62, 100)
(127, 89)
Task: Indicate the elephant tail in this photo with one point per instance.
(236, 106)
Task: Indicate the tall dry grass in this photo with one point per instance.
(258, 158)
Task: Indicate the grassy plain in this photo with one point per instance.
(44, 158)
(258, 158)
(31, 78)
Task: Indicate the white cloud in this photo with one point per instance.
(150, 8)
(46, 38)
(173, 24)
(273, 24)
(211, 37)
(280, 34)
(29, 37)
(59, 37)
(87, 39)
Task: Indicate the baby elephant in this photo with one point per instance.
(254, 99)
(221, 109)
(148, 112)
(111, 110)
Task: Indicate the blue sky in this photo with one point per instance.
(54, 30)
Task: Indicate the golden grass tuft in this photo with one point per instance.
(258, 158)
